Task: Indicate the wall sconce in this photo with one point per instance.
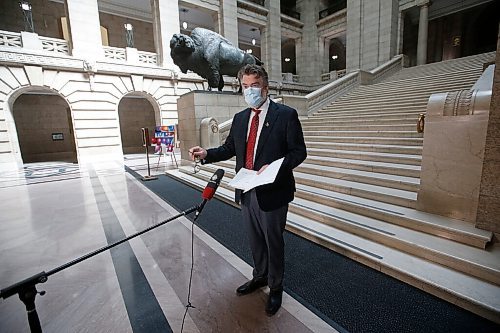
(184, 23)
(27, 15)
(253, 41)
(287, 59)
(334, 57)
(129, 34)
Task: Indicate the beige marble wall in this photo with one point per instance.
(451, 165)
(195, 106)
(488, 214)
(454, 144)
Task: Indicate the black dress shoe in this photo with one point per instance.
(252, 285)
(274, 301)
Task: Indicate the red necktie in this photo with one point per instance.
(252, 138)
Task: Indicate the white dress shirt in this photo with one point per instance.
(262, 117)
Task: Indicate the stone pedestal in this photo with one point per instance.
(195, 106)
(31, 41)
(452, 157)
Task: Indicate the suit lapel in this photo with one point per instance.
(272, 115)
(242, 132)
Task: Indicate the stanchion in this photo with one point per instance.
(145, 143)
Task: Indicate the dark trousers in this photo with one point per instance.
(265, 233)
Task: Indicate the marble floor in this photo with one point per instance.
(52, 213)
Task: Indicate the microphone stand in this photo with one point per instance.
(26, 289)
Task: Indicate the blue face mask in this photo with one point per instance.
(253, 96)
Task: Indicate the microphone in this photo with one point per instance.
(209, 190)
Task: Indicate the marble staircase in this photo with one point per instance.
(357, 190)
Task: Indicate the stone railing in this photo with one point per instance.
(130, 55)
(115, 53)
(29, 40)
(55, 45)
(289, 77)
(327, 94)
(333, 75)
(383, 71)
(10, 39)
(148, 58)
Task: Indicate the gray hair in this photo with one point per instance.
(256, 70)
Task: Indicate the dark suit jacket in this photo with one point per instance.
(281, 136)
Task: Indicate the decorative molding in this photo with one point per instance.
(458, 103)
(51, 61)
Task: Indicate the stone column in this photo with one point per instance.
(324, 53)
(272, 41)
(84, 27)
(309, 64)
(228, 24)
(372, 31)
(401, 24)
(489, 192)
(423, 26)
(165, 24)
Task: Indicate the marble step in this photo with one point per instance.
(378, 116)
(366, 140)
(376, 121)
(359, 127)
(368, 191)
(417, 88)
(350, 109)
(427, 82)
(472, 65)
(367, 156)
(390, 134)
(365, 177)
(406, 170)
(473, 261)
(388, 101)
(377, 192)
(393, 149)
(448, 228)
(459, 288)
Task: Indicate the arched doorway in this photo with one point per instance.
(336, 54)
(44, 128)
(135, 112)
(288, 56)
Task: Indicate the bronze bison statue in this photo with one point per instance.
(209, 55)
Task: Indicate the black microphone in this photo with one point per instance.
(209, 190)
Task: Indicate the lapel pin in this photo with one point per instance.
(267, 124)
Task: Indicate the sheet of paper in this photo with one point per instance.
(248, 179)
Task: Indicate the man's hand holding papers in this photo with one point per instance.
(248, 179)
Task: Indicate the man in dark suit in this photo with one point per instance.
(259, 135)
